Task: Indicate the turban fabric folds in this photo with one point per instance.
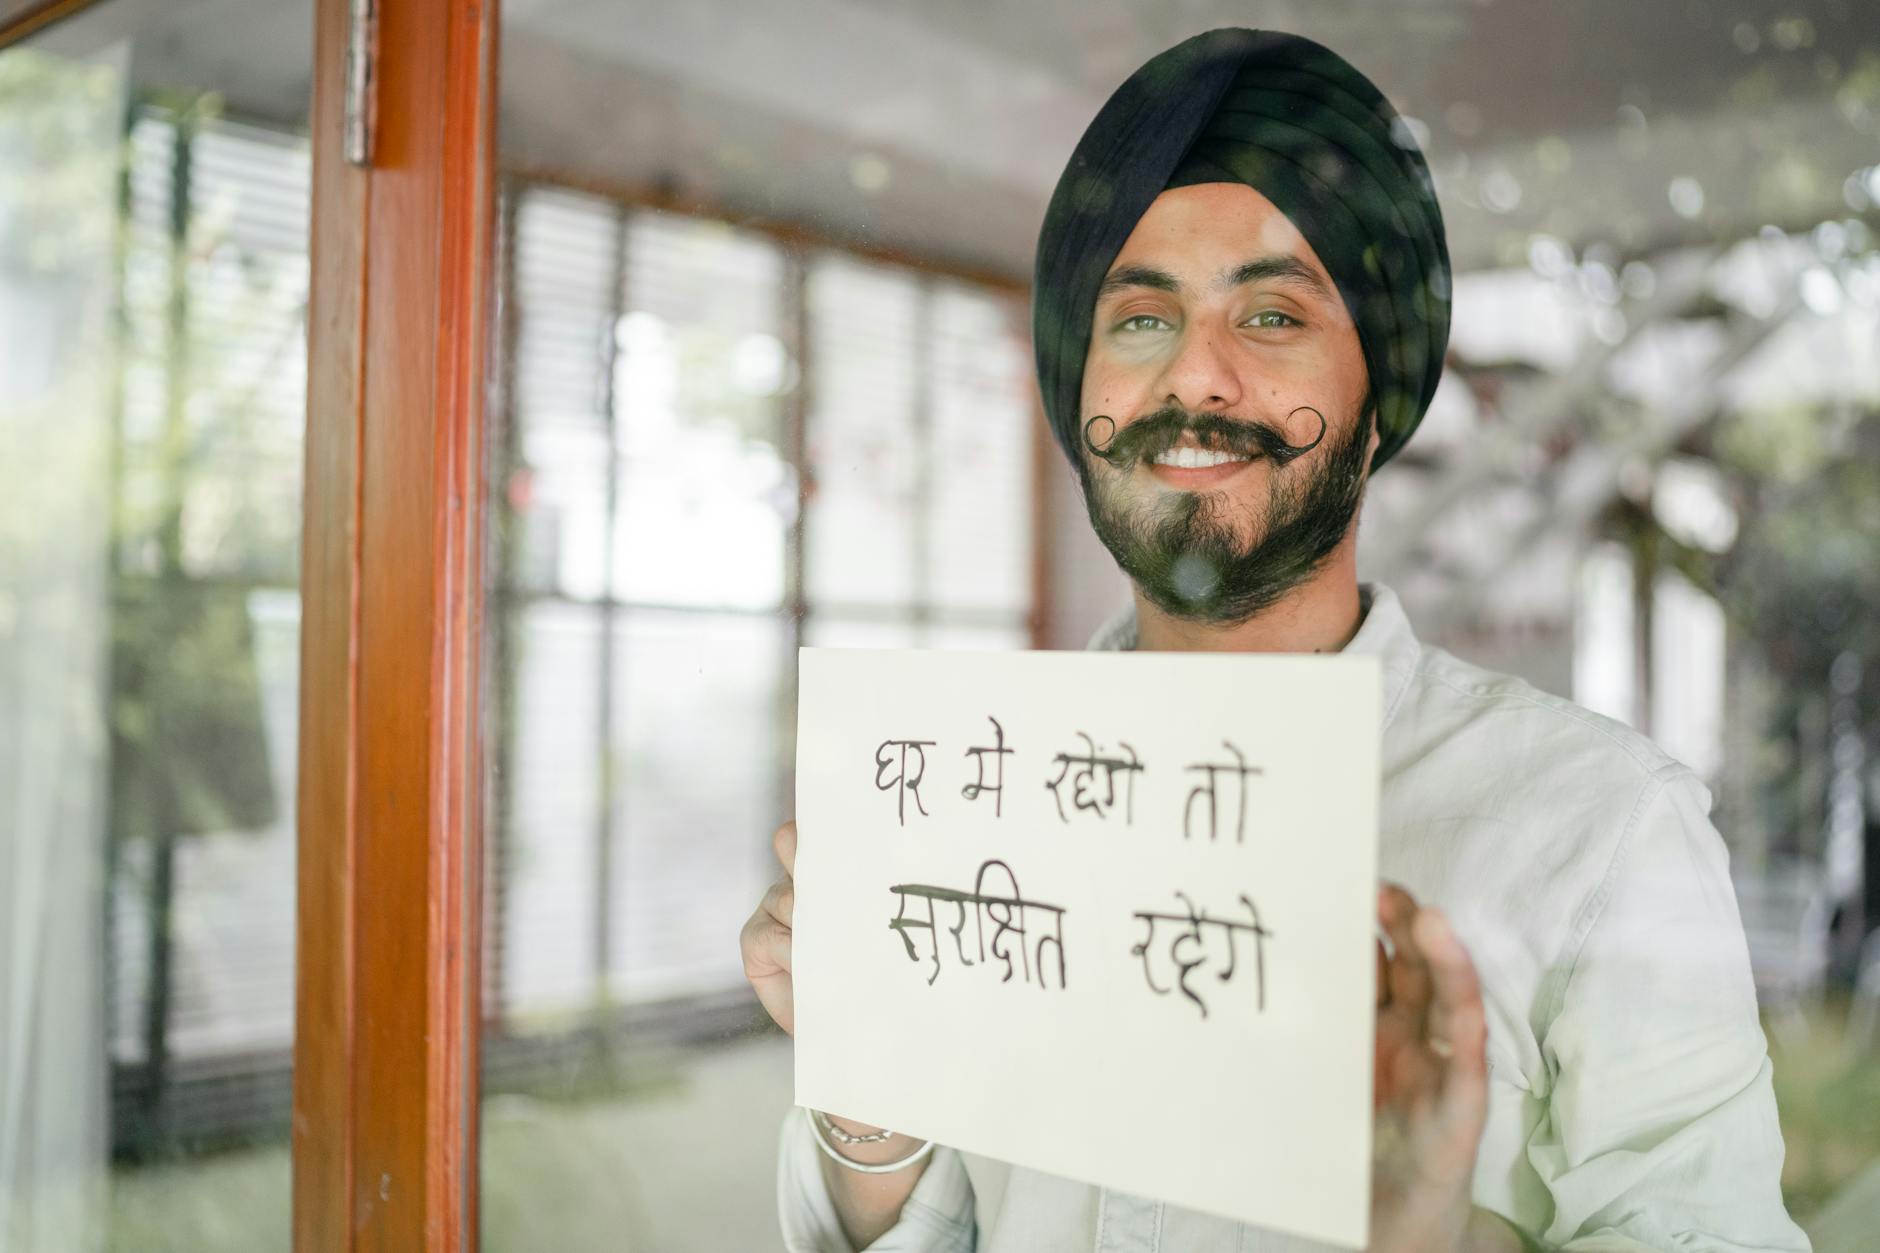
(1294, 121)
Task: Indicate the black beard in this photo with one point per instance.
(1182, 552)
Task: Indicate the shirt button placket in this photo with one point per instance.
(1128, 1224)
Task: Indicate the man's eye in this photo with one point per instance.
(1142, 322)
(1272, 319)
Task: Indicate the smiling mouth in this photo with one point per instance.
(1188, 457)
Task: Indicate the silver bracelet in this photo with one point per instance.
(815, 1129)
(829, 1128)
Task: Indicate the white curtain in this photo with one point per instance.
(60, 128)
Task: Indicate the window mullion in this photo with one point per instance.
(610, 790)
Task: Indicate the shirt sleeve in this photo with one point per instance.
(1660, 1131)
(938, 1216)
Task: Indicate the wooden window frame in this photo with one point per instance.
(20, 19)
(386, 1032)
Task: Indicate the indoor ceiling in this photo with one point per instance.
(939, 126)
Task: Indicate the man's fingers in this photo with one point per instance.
(780, 902)
(1459, 1023)
(1453, 974)
(784, 841)
(766, 939)
(766, 945)
(1409, 975)
(778, 997)
(1457, 1017)
(1383, 975)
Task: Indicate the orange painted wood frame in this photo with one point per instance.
(385, 1041)
(21, 18)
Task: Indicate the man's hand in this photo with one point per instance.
(867, 1205)
(766, 937)
(1431, 1088)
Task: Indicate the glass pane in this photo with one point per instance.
(563, 259)
(699, 373)
(984, 426)
(978, 638)
(838, 632)
(646, 405)
(716, 443)
(549, 808)
(790, 333)
(699, 765)
(153, 290)
(1604, 660)
(824, 631)
(864, 450)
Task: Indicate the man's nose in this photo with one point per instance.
(1201, 377)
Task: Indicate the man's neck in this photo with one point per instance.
(1319, 616)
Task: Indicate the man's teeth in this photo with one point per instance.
(1195, 458)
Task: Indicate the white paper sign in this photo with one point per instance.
(1109, 916)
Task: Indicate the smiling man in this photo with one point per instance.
(1240, 312)
(1205, 495)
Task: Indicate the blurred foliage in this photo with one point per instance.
(51, 163)
(189, 741)
(1800, 586)
(1828, 1095)
(1804, 575)
(209, 470)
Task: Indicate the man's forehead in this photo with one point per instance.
(1212, 226)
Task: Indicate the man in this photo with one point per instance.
(1241, 307)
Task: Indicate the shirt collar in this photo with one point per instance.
(1384, 633)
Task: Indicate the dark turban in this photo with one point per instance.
(1294, 121)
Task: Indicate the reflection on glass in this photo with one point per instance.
(58, 135)
(544, 909)
(719, 442)
(829, 631)
(648, 374)
(868, 329)
(153, 286)
(984, 426)
(699, 370)
(697, 766)
(811, 427)
(562, 277)
(833, 632)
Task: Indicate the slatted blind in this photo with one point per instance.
(980, 449)
(209, 471)
(920, 449)
(652, 655)
(647, 639)
(565, 307)
(706, 496)
(866, 428)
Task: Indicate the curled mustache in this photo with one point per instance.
(1150, 437)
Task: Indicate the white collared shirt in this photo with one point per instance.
(1630, 1104)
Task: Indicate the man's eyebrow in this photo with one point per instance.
(1125, 277)
(1280, 266)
